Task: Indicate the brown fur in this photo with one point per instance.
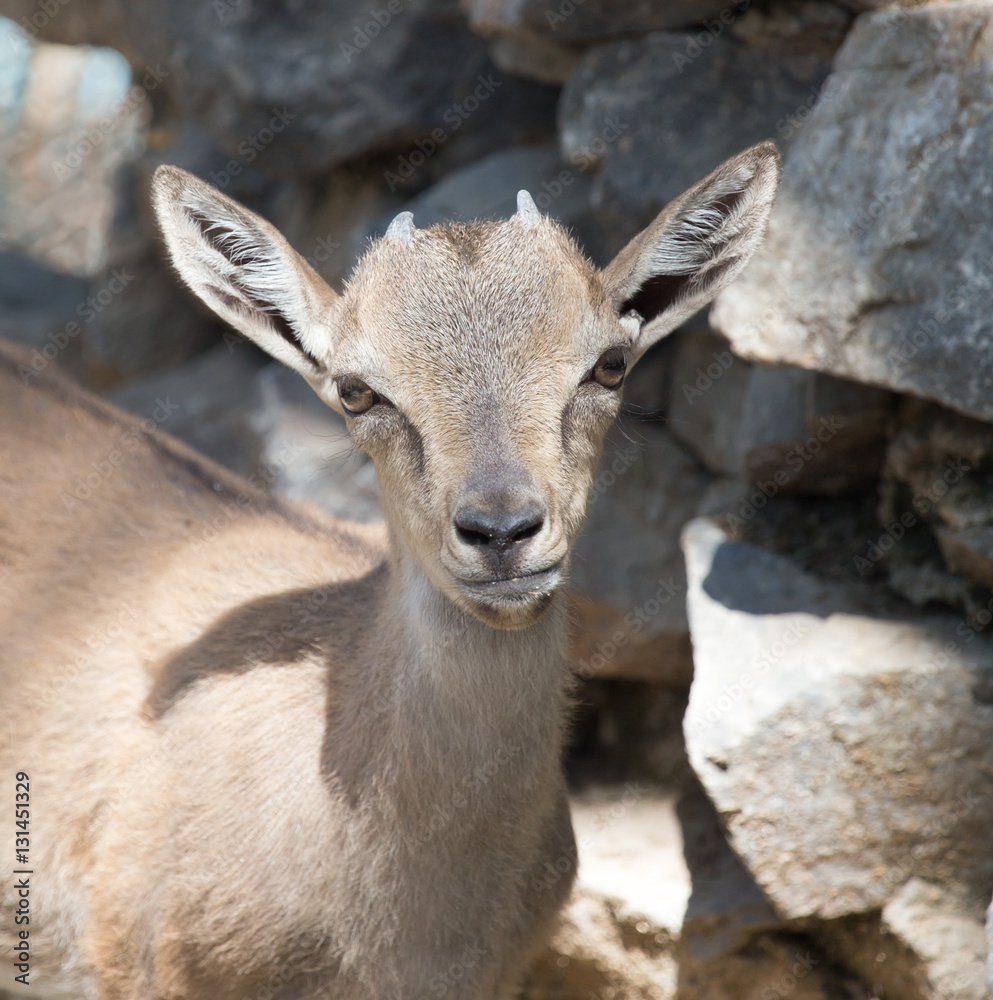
(271, 753)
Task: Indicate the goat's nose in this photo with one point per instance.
(499, 529)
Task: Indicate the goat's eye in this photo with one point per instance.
(356, 397)
(609, 370)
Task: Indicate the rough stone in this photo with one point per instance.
(627, 569)
(773, 966)
(867, 948)
(593, 954)
(842, 745)
(877, 265)
(589, 21)
(264, 422)
(40, 308)
(87, 22)
(946, 935)
(69, 119)
(143, 320)
(989, 939)
(804, 431)
(939, 473)
(209, 402)
(659, 112)
(648, 386)
(534, 57)
(726, 909)
(488, 190)
(306, 90)
(306, 453)
(925, 944)
(624, 934)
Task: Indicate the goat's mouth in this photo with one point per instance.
(521, 588)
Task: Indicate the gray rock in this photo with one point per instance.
(843, 747)
(624, 934)
(877, 265)
(660, 112)
(631, 852)
(41, 309)
(588, 21)
(143, 320)
(594, 954)
(305, 451)
(488, 190)
(69, 120)
(989, 940)
(726, 909)
(938, 475)
(946, 935)
(627, 569)
(802, 431)
(91, 22)
(534, 57)
(304, 89)
(209, 403)
(648, 387)
(264, 422)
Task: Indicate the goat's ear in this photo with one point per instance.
(246, 271)
(697, 245)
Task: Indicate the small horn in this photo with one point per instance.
(401, 228)
(527, 211)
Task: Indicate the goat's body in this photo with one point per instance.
(257, 763)
(271, 755)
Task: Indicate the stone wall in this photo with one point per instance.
(783, 750)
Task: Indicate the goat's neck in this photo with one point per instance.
(453, 695)
(477, 681)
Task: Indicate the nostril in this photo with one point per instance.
(471, 536)
(498, 530)
(529, 530)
